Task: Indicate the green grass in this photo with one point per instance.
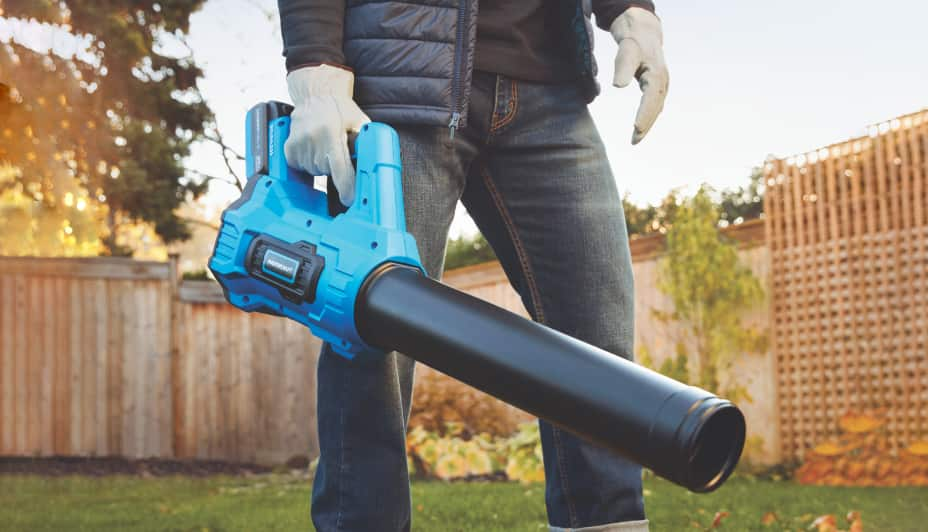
(280, 502)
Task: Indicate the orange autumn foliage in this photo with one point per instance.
(863, 456)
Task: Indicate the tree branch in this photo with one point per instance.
(208, 177)
(228, 154)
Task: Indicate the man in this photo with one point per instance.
(491, 108)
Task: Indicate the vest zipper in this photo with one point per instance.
(455, 118)
(456, 77)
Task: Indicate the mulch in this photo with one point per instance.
(105, 466)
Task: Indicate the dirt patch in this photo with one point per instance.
(98, 467)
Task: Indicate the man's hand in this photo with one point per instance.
(641, 56)
(324, 112)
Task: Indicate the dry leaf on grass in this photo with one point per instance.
(857, 524)
(718, 519)
(824, 523)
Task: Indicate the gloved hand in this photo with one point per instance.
(324, 112)
(641, 56)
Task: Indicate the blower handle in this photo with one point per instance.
(333, 199)
(378, 172)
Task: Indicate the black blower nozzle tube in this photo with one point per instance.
(682, 433)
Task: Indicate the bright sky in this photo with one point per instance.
(748, 79)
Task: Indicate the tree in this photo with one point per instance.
(736, 205)
(710, 290)
(468, 250)
(744, 203)
(105, 110)
(650, 219)
(639, 220)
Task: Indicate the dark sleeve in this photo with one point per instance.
(607, 10)
(312, 31)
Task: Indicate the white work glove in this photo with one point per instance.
(324, 112)
(641, 56)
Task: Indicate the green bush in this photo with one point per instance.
(454, 455)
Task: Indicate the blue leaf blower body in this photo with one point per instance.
(354, 278)
(282, 250)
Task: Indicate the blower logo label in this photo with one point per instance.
(280, 266)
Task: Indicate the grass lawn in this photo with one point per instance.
(281, 502)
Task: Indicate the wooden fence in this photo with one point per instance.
(848, 238)
(86, 357)
(114, 357)
(246, 383)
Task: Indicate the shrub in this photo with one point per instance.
(455, 455)
(440, 400)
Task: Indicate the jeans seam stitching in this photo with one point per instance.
(534, 295)
(510, 116)
(565, 486)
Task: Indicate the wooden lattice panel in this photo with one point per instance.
(847, 227)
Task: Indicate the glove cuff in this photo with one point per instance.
(634, 22)
(320, 80)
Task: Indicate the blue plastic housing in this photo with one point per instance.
(282, 203)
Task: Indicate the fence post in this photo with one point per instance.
(176, 380)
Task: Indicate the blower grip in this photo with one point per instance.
(333, 199)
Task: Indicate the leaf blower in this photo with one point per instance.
(355, 279)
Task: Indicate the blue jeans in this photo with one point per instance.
(532, 172)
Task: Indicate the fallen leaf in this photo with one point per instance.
(718, 519)
(919, 448)
(769, 518)
(859, 423)
(830, 448)
(856, 469)
(857, 523)
(825, 523)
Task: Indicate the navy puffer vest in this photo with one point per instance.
(413, 59)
